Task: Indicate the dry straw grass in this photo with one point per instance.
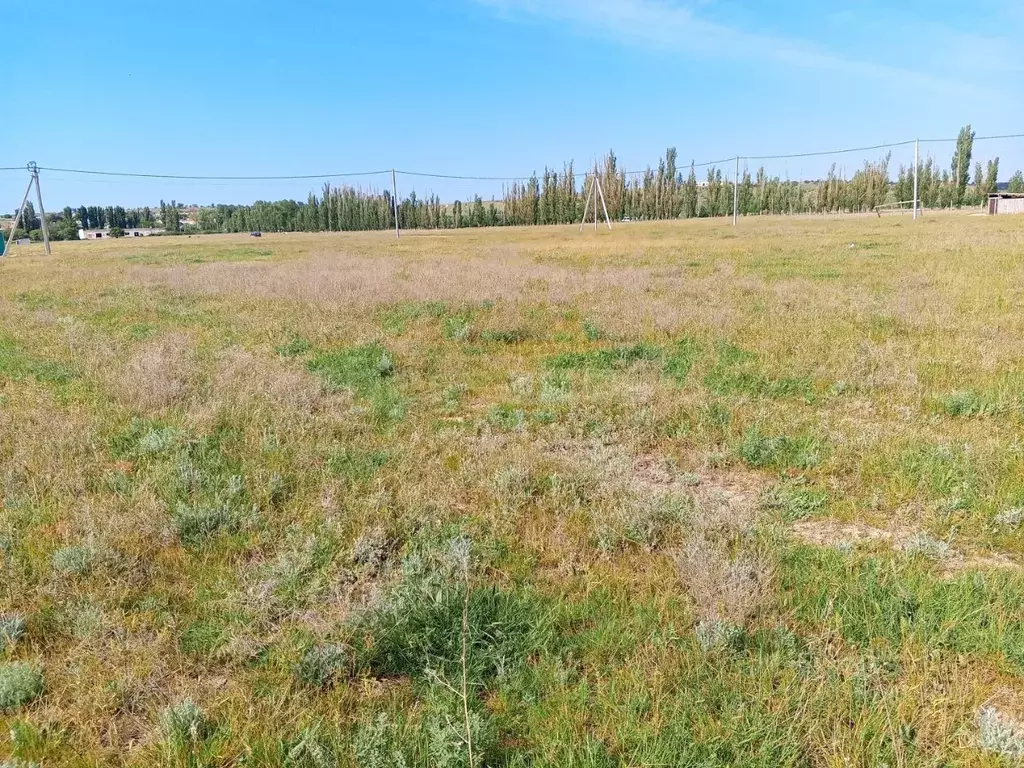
(161, 374)
(209, 482)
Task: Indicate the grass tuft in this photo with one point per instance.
(196, 524)
(615, 358)
(12, 629)
(294, 347)
(20, 683)
(778, 451)
(322, 665)
(73, 561)
(185, 730)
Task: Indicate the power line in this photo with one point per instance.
(830, 152)
(468, 178)
(457, 177)
(976, 138)
(212, 178)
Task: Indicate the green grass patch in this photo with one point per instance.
(893, 600)
(680, 359)
(396, 319)
(356, 465)
(967, 403)
(505, 336)
(735, 373)
(763, 451)
(368, 371)
(294, 347)
(614, 358)
(17, 364)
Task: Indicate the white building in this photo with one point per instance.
(103, 234)
(1005, 202)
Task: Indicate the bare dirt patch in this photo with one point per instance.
(832, 533)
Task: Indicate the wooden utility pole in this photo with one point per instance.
(394, 201)
(736, 194)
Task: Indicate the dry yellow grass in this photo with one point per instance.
(224, 463)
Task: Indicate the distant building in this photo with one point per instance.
(1006, 202)
(103, 234)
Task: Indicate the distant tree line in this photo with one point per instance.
(666, 192)
(669, 191)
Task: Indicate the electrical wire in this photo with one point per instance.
(457, 177)
(830, 152)
(212, 178)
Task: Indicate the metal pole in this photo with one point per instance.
(736, 193)
(394, 201)
(42, 211)
(17, 218)
(916, 143)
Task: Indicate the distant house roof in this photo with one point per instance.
(1005, 194)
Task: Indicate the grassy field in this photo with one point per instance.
(676, 495)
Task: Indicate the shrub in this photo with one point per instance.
(310, 749)
(926, 546)
(12, 629)
(418, 624)
(184, 727)
(372, 549)
(1000, 733)
(376, 744)
(72, 561)
(195, 524)
(321, 665)
(715, 634)
(1010, 518)
(456, 328)
(20, 683)
(158, 440)
(724, 588)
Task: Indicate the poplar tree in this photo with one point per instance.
(961, 164)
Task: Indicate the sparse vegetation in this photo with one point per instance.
(674, 495)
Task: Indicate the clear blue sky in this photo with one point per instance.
(485, 87)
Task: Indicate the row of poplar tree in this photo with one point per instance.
(666, 192)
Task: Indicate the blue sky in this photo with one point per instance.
(486, 87)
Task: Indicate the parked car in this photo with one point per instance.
(255, 234)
